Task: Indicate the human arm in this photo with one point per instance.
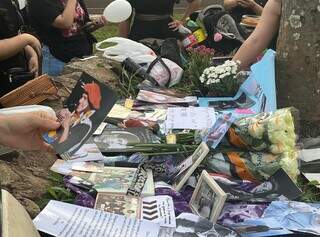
(124, 29)
(24, 131)
(252, 5)
(230, 4)
(66, 18)
(261, 37)
(33, 60)
(193, 6)
(12, 46)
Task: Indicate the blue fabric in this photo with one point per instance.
(51, 65)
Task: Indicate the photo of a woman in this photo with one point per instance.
(86, 108)
(79, 123)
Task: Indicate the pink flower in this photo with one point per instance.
(217, 37)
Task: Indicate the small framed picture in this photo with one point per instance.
(208, 198)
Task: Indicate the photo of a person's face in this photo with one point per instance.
(117, 139)
(204, 200)
(83, 103)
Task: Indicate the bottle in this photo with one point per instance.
(197, 36)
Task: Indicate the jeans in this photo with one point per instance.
(51, 65)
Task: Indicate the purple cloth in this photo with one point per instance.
(235, 213)
(179, 202)
(82, 198)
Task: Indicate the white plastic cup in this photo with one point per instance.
(117, 11)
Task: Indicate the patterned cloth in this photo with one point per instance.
(78, 20)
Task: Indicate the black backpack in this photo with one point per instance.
(233, 35)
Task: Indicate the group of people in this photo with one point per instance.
(64, 29)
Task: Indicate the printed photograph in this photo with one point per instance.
(115, 140)
(118, 204)
(85, 109)
(208, 198)
(219, 129)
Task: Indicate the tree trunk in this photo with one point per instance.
(298, 62)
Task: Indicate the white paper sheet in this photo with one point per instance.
(309, 155)
(66, 220)
(313, 177)
(190, 118)
(100, 129)
(159, 209)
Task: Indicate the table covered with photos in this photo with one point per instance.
(168, 164)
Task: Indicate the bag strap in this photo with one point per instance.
(160, 60)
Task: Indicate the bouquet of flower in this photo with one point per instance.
(199, 59)
(221, 80)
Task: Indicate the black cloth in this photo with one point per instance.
(10, 23)
(239, 11)
(152, 29)
(42, 14)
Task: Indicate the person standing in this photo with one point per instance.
(153, 19)
(62, 27)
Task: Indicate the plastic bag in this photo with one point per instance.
(158, 72)
(123, 49)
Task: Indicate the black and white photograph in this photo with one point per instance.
(208, 198)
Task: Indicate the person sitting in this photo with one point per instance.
(153, 19)
(16, 50)
(65, 29)
(261, 37)
(239, 8)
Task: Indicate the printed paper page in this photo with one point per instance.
(66, 220)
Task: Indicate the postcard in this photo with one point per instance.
(197, 157)
(75, 168)
(157, 98)
(122, 139)
(118, 180)
(118, 204)
(86, 108)
(159, 209)
(193, 118)
(64, 219)
(218, 130)
(88, 152)
(208, 198)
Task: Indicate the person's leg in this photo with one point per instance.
(51, 65)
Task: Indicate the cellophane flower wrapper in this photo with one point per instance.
(274, 132)
(253, 166)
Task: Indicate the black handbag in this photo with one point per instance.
(14, 78)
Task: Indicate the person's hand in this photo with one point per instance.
(33, 65)
(175, 24)
(247, 3)
(100, 22)
(65, 122)
(33, 42)
(24, 131)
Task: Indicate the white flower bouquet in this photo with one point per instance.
(221, 80)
